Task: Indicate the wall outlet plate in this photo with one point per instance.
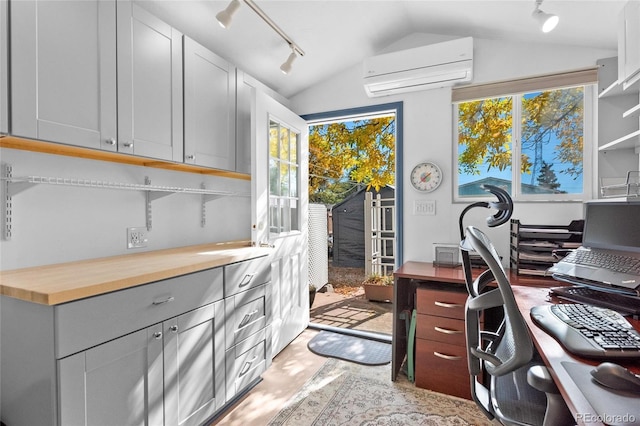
(137, 237)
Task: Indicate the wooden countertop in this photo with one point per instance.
(66, 282)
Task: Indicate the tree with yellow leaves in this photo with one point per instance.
(553, 117)
(344, 155)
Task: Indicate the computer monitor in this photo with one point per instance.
(613, 225)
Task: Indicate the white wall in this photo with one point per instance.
(428, 133)
(53, 224)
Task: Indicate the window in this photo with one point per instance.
(283, 179)
(532, 144)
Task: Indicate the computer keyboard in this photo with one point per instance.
(614, 262)
(589, 331)
(597, 297)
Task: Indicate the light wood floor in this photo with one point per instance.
(290, 369)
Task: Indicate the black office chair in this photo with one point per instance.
(508, 381)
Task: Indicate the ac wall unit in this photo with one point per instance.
(427, 67)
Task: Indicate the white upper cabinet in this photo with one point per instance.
(4, 37)
(149, 85)
(209, 108)
(244, 96)
(63, 72)
(629, 43)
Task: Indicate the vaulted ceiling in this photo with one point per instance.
(337, 34)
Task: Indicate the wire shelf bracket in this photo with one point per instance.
(12, 186)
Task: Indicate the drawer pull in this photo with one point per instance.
(246, 279)
(447, 330)
(247, 366)
(174, 328)
(157, 335)
(447, 305)
(163, 301)
(447, 357)
(247, 318)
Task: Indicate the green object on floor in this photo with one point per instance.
(411, 342)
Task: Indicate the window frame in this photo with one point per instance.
(589, 186)
(279, 197)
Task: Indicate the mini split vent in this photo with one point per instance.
(427, 67)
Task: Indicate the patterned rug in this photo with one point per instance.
(345, 393)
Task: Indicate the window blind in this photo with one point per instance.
(525, 85)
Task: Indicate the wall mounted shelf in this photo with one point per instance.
(32, 145)
(15, 185)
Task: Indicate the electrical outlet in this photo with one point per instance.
(136, 237)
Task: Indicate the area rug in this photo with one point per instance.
(350, 348)
(345, 393)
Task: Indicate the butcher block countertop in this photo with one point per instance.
(66, 282)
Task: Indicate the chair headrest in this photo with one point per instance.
(504, 205)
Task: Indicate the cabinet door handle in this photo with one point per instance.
(447, 305)
(163, 301)
(157, 335)
(127, 144)
(247, 366)
(447, 330)
(174, 328)
(246, 279)
(110, 141)
(191, 157)
(247, 318)
(447, 357)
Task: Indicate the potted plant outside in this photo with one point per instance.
(378, 288)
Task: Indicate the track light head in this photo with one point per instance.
(225, 16)
(547, 21)
(288, 64)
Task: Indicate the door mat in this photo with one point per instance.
(350, 348)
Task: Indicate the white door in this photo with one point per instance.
(279, 173)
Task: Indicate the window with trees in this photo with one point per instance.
(532, 144)
(284, 166)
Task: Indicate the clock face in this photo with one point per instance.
(426, 177)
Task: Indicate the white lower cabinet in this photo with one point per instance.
(119, 382)
(167, 374)
(171, 352)
(194, 376)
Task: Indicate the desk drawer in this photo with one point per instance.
(440, 329)
(442, 368)
(242, 276)
(89, 322)
(443, 303)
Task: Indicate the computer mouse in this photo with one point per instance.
(615, 376)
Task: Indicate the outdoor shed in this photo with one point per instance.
(348, 228)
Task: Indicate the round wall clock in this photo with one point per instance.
(426, 176)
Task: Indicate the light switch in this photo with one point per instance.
(424, 207)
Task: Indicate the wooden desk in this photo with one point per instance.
(554, 354)
(413, 274)
(529, 292)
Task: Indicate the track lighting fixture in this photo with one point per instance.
(546, 21)
(288, 64)
(225, 16)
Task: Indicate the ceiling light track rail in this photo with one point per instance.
(225, 18)
(274, 26)
(11, 186)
